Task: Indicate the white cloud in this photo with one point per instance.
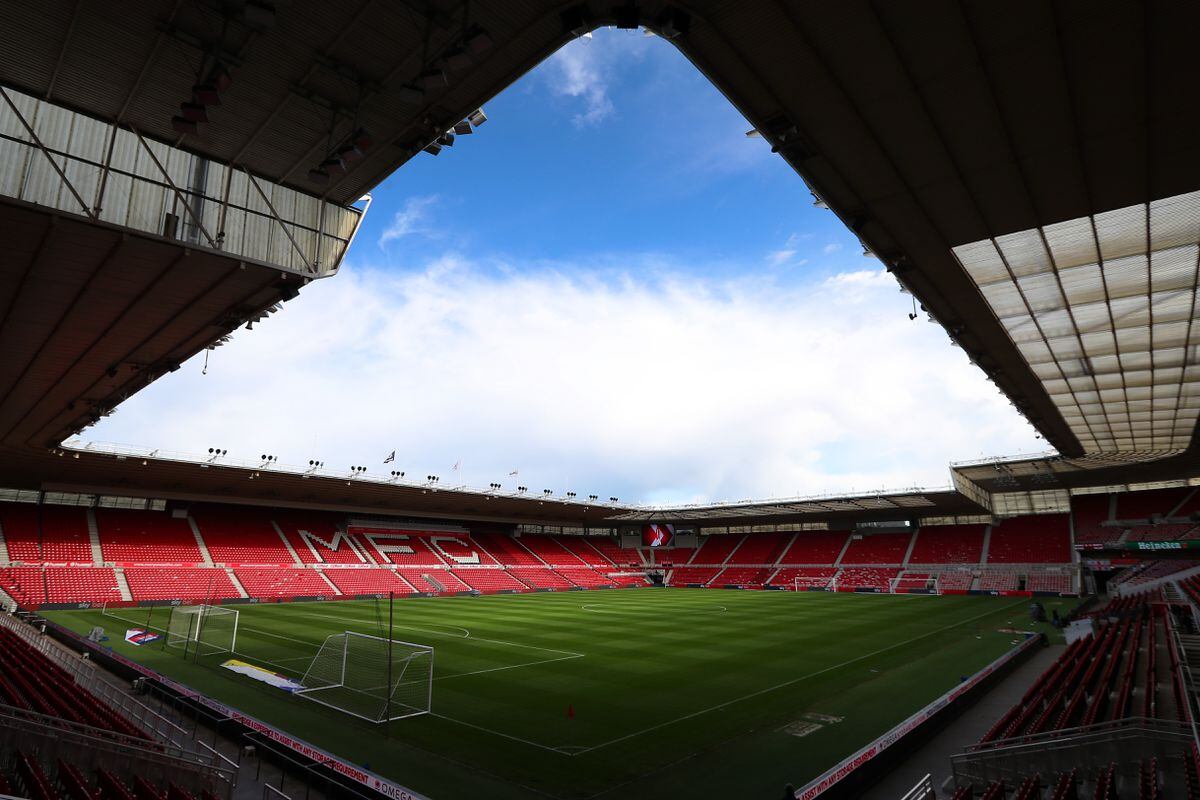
(583, 69)
(673, 389)
(777, 258)
(832, 247)
(413, 218)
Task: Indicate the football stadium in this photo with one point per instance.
(228, 624)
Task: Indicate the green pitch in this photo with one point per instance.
(648, 693)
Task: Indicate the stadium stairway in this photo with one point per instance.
(3, 547)
(94, 537)
(933, 758)
(200, 543)
(122, 584)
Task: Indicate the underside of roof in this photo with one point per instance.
(1028, 170)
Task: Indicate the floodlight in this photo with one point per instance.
(462, 128)
(477, 117)
(446, 139)
(433, 148)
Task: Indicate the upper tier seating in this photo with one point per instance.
(507, 550)
(948, 544)
(761, 548)
(1038, 539)
(174, 583)
(820, 547)
(1153, 502)
(1088, 512)
(367, 581)
(584, 550)
(317, 540)
(64, 536)
(402, 547)
(548, 550)
(275, 582)
(715, 549)
(610, 549)
(241, 536)
(879, 548)
(146, 537)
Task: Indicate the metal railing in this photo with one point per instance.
(1121, 741)
(922, 790)
(91, 679)
(50, 739)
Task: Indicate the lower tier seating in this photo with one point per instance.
(814, 577)
(151, 583)
(866, 578)
(367, 581)
(491, 580)
(260, 582)
(687, 576)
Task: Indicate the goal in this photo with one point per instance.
(370, 677)
(908, 584)
(203, 629)
(802, 583)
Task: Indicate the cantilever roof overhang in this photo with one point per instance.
(934, 129)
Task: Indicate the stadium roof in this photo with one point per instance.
(999, 158)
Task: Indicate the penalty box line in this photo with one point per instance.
(796, 680)
(564, 655)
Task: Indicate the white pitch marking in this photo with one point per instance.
(498, 733)
(796, 680)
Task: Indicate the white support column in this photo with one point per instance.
(912, 543)
(837, 562)
(987, 542)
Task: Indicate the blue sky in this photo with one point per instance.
(609, 289)
(616, 145)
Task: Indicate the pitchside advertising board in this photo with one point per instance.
(1144, 547)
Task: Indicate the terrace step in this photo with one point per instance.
(94, 537)
(122, 584)
(329, 582)
(237, 584)
(987, 542)
(205, 555)
(4, 559)
(291, 550)
(441, 587)
(6, 602)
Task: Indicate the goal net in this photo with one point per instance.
(203, 629)
(915, 584)
(370, 677)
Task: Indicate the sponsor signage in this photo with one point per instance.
(1153, 547)
(138, 637)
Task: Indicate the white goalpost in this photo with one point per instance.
(203, 629)
(370, 677)
(931, 584)
(804, 583)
